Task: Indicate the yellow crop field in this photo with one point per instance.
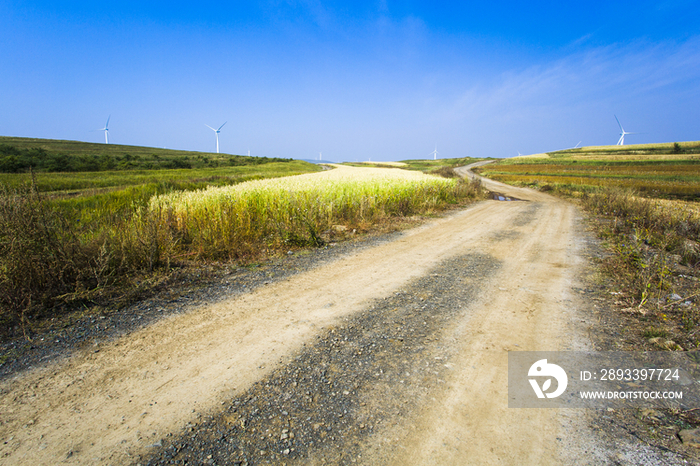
(657, 170)
(233, 220)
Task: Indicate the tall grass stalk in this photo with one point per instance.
(645, 235)
(671, 224)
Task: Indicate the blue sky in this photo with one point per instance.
(378, 80)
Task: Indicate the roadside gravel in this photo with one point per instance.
(183, 291)
(358, 379)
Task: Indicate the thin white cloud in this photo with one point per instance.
(633, 71)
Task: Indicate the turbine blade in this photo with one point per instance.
(107, 124)
(618, 123)
(209, 127)
(222, 125)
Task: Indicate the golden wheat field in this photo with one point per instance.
(663, 175)
(296, 210)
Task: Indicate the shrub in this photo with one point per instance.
(47, 262)
(445, 172)
(41, 257)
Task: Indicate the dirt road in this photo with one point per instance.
(392, 354)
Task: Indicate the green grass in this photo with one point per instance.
(654, 332)
(96, 199)
(74, 239)
(428, 166)
(653, 170)
(194, 178)
(48, 155)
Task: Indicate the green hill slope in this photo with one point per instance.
(49, 155)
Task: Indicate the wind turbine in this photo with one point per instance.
(106, 130)
(217, 131)
(621, 141)
(435, 153)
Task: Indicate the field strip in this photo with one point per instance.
(100, 408)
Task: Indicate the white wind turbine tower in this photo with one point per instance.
(435, 153)
(106, 130)
(621, 141)
(217, 131)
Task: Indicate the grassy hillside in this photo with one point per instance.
(437, 167)
(98, 224)
(48, 155)
(669, 170)
(634, 152)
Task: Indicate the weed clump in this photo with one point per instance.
(41, 257)
(445, 172)
(655, 332)
(50, 263)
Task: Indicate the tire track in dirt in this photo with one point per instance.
(368, 371)
(527, 306)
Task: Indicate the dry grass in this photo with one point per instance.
(689, 189)
(233, 222)
(644, 203)
(656, 179)
(52, 260)
(655, 260)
